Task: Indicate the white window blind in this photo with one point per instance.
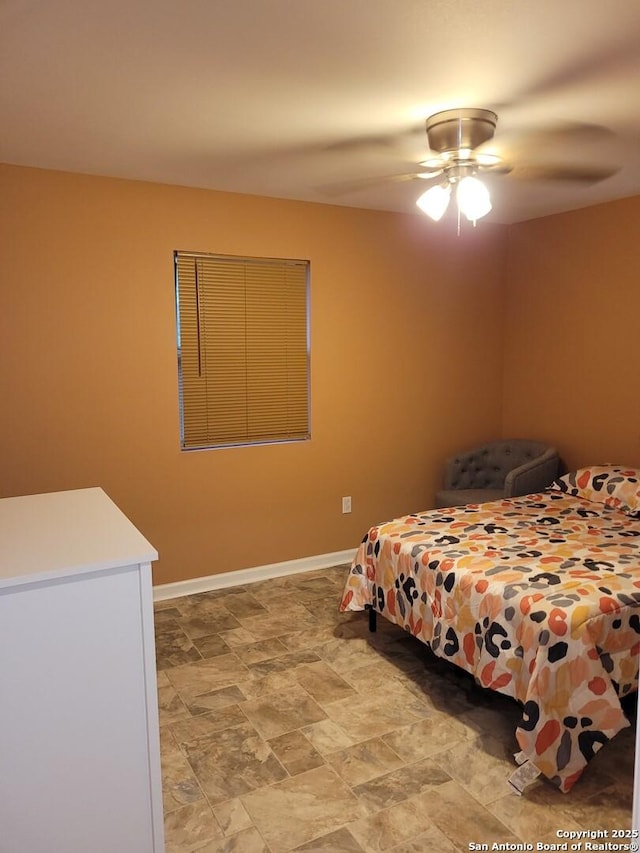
(243, 349)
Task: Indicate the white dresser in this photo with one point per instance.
(79, 739)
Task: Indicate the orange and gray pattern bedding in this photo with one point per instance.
(537, 597)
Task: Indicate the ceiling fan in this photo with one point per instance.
(456, 135)
(462, 146)
(459, 138)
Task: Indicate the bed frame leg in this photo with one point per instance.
(372, 617)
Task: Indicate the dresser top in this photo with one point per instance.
(61, 534)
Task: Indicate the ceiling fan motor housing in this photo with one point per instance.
(450, 131)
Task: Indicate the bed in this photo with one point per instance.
(538, 597)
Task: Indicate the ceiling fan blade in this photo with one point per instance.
(572, 137)
(563, 151)
(562, 172)
(346, 187)
(359, 143)
(395, 140)
(617, 59)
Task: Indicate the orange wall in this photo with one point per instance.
(573, 304)
(406, 359)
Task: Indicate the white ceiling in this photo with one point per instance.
(309, 100)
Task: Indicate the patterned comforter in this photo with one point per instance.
(537, 597)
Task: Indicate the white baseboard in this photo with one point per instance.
(258, 573)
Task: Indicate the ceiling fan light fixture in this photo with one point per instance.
(473, 198)
(435, 201)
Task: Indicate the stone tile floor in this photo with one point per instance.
(286, 725)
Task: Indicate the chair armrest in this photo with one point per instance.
(532, 476)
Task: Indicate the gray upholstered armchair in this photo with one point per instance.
(499, 469)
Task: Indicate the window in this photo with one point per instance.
(243, 349)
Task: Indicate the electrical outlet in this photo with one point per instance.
(346, 504)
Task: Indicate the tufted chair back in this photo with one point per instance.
(498, 469)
